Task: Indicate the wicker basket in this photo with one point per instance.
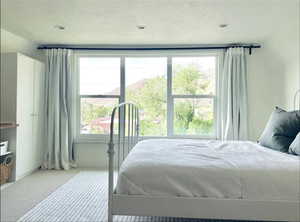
(5, 169)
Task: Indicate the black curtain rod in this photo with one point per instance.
(250, 47)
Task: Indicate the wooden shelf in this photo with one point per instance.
(8, 125)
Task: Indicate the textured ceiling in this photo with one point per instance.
(167, 21)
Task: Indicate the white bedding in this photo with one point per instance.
(215, 169)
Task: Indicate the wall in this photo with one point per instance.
(91, 155)
(14, 43)
(292, 59)
(274, 73)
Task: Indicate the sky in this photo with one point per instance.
(99, 75)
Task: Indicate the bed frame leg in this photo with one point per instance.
(110, 180)
(110, 217)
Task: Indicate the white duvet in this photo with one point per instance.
(215, 169)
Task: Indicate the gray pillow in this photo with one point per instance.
(295, 146)
(281, 130)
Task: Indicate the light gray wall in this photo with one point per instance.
(91, 155)
(11, 42)
(266, 82)
(274, 73)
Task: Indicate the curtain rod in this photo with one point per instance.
(153, 48)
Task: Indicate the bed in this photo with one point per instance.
(192, 178)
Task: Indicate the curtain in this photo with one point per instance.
(233, 96)
(58, 98)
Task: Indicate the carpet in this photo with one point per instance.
(21, 196)
(84, 199)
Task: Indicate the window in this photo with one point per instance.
(193, 93)
(176, 94)
(99, 93)
(146, 86)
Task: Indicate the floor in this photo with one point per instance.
(19, 197)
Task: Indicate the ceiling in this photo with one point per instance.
(166, 21)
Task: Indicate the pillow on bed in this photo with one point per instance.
(295, 146)
(281, 130)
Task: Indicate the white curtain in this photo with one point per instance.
(233, 96)
(58, 109)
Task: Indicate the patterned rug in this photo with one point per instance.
(84, 199)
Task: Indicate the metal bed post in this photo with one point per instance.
(111, 154)
(132, 138)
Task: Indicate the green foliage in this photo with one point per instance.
(188, 121)
(151, 97)
(189, 81)
(90, 112)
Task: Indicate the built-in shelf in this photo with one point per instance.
(8, 125)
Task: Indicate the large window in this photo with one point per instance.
(176, 95)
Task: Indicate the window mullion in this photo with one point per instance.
(122, 80)
(170, 101)
(99, 96)
(193, 96)
(121, 130)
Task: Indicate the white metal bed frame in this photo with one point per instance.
(184, 207)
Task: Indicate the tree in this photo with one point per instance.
(189, 80)
(151, 98)
(191, 116)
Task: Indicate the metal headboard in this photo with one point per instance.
(128, 130)
(124, 139)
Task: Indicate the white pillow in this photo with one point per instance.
(295, 146)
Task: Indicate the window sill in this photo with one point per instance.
(104, 139)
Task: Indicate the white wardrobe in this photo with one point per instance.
(21, 102)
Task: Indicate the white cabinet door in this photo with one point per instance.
(38, 113)
(25, 80)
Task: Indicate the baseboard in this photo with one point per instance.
(27, 173)
(3, 186)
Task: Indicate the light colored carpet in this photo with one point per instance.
(84, 199)
(21, 196)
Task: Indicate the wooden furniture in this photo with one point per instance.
(6, 166)
(120, 145)
(21, 94)
(8, 125)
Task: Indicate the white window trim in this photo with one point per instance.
(103, 138)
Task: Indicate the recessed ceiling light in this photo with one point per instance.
(141, 27)
(223, 25)
(59, 27)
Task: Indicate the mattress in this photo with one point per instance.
(209, 169)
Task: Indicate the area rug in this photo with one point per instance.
(84, 199)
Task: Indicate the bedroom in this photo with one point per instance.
(195, 70)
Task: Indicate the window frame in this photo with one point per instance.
(103, 138)
(172, 97)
